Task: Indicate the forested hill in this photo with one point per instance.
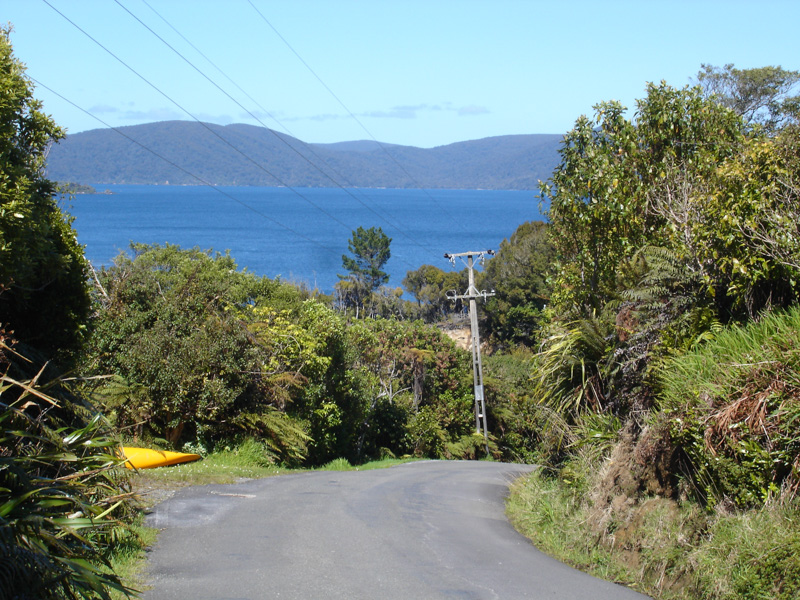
(249, 155)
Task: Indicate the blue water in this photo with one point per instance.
(299, 235)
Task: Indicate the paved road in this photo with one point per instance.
(427, 530)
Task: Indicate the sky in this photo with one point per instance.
(414, 72)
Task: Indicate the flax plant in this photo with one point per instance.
(64, 499)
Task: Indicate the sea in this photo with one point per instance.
(298, 234)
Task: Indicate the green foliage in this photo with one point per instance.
(43, 294)
(430, 285)
(518, 274)
(426, 436)
(570, 370)
(230, 461)
(594, 216)
(198, 351)
(752, 556)
(666, 550)
(646, 267)
(337, 464)
(734, 404)
(762, 96)
(615, 189)
(668, 300)
(470, 446)
(513, 413)
(201, 353)
(75, 188)
(254, 452)
(666, 228)
(753, 250)
(388, 303)
(553, 517)
(331, 402)
(370, 251)
(415, 381)
(63, 496)
(281, 439)
(665, 309)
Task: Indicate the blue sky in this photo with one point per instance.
(415, 72)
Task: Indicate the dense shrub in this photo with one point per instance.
(64, 498)
(413, 376)
(44, 299)
(734, 406)
(198, 350)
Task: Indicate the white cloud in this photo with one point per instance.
(103, 109)
(321, 117)
(138, 116)
(396, 112)
(471, 110)
(413, 111)
(403, 111)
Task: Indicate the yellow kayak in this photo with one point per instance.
(144, 458)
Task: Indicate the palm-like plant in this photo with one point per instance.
(568, 371)
(63, 495)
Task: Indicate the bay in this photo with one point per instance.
(300, 234)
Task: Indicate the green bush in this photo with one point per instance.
(734, 406)
(337, 464)
(64, 499)
(202, 352)
(425, 434)
(752, 556)
(44, 298)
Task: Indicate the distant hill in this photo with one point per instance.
(249, 155)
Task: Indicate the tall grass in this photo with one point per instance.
(554, 517)
(666, 550)
(734, 406)
(767, 348)
(752, 555)
(729, 526)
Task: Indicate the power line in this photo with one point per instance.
(256, 118)
(222, 139)
(183, 170)
(204, 125)
(213, 64)
(353, 116)
(333, 251)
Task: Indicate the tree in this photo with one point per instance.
(62, 496)
(752, 252)
(518, 274)
(370, 247)
(370, 250)
(765, 95)
(44, 299)
(200, 353)
(610, 195)
(419, 389)
(593, 211)
(429, 285)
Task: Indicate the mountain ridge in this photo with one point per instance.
(186, 152)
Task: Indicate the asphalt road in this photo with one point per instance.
(426, 530)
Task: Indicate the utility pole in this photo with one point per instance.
(477, 369)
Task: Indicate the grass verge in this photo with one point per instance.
(128, 560)
(548, 512)
(665, 550)
(342, 464)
